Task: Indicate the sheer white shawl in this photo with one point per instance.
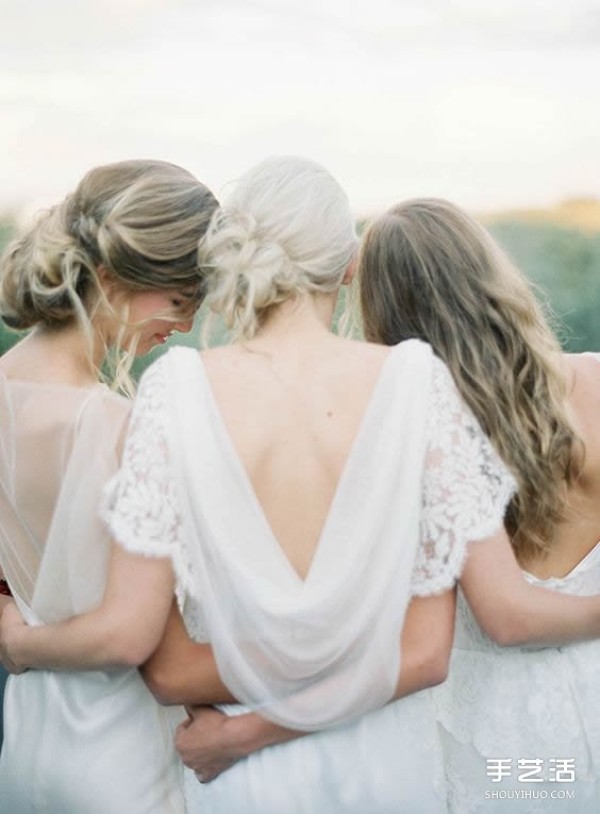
(308, 653)
(58, 448)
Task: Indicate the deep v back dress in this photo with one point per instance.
(420, 482)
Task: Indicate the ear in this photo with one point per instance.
(110, 285)
(105, 277)
(350, 271)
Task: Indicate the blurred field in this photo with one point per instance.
(559, 250)
(581, 214)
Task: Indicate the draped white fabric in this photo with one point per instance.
(58, 448)
(308, 653)
(325, 650)
(91, 741)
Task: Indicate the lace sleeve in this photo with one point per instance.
(141, 503)
(466, 488)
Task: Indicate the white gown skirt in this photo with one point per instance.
(87, 743)
(387, 762)
(539, 713)
(537, 710)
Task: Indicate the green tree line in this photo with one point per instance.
(564, 265)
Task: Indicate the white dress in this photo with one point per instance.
(182, 484)
(91, 742)
(537, 710)
(523, 705)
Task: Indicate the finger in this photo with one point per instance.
(206, 776)
(185, 724)
(180, 733)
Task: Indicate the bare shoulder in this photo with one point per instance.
(362, 352)
(370, 350)
(225, 361)
(583, 370)
(334, 358)
(117, 407)
(12, 362)
(220, 355)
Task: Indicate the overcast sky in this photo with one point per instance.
(491, 104)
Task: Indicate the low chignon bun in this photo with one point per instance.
(285, 229)
(141, 221)
(45, 274)
(248, 273)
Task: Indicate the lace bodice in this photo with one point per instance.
(466, 488)
(433, 483)
(141, 503)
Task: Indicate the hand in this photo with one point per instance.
(209, 742)
(10, 622)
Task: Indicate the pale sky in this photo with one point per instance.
(493, 104)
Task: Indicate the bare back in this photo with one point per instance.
(293, 415)
(579, 533)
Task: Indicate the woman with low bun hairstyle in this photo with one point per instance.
(428, 273)
(93, 269)
(311, 499)
(258, 256)
(102, 277)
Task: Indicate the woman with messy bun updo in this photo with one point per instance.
(103, 265)
(311, 499)
(98, 279)
(257, 256)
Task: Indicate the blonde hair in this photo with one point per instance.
(140, 221)
(428, 270)
(285, 229)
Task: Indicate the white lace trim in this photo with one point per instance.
(141, 502)
(466, 488)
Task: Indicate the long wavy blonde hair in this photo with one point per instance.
(427, 270)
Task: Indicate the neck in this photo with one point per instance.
(304, 318)
(58, 355)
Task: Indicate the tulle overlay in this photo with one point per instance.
(421, 481)
(519, 703)
(93, 742)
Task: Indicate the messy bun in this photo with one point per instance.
(285, 229)
(45, 275)
(140, 220)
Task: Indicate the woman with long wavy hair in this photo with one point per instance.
(430, 271)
